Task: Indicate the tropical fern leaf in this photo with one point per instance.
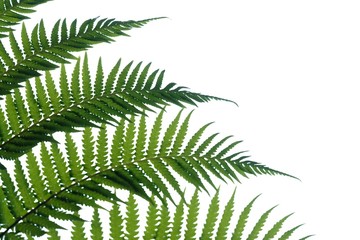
(82, 102)
(192, 217)
(58, 182)
(39, 52)
(178, 219)
(14, 11)
(42, 198)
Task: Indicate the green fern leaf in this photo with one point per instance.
(39, 220)
(152, 221)
(5, 56)
(53, 235)
(47, 55)
(6, 217)
(110, 82)
(98, 86)
(35, 176)
(32, 103)
(26, 41)
(88, 151)
(287, 234)
(22, 184)
(30, 228)
(42, 97)
(131, 218)
(159, 226)
(12, 114)
(79, 107)
(178, 221)
(64, 86)
(58, 214)
(4, 129)
(96, 229)
(75, 82)
(129, 142)
(259, 225)
(240, 226)
(78, 231)
(21, 109)
(179, 139)
(13, 11)
(192, 217)
(167, 141)
(257, 168)
(224, 224)
(131, 81)
(61, 165)
(86, 78)
(52, 92)
(116, 222)
(102, 149)
(164, 223)
(15, 47)
(276, 228)
(74, 160)
(306, 237)
(48, 170)
(211, 218)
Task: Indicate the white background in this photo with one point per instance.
(293, 68)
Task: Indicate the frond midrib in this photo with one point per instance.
(112, 167)
(44, 49)
(64, 109)
(16, 5)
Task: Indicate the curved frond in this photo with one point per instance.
(14, 11)
(179, 219)
(36, 200)
(39, 52)
(59, 181)
(82, 102)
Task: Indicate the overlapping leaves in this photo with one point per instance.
(184, 223)
(33, 116)
(14, 11)
(38, 52)
(145, 163)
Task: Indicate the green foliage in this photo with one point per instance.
(59, 182)
(180, 227)
(37, 52)
(108, 142)
(83, 104)
(14, 11)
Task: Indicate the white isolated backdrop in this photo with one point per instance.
(292, 67)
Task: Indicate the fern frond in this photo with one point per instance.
(58, 193)
(192, 217)
(14, 11)
(255, 168)
(116, 223)
(218, 224)
(211, 218)
(178, 221)
(276, 228)
(41, 53)
(259, 225)
(152, 221)
(163, 229)
(223, 228)
(132, 218)
(78, 230)
(79, 103)
(96, 229)
(69, 178)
